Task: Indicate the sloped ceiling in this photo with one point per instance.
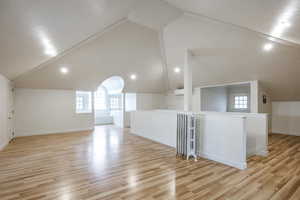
(32, 32)
(224, 54)
(99, 38)
(127, 48)
(278, 18)
(154, 14)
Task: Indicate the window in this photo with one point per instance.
(100, 98)
(79, 103)
(83, 102)
(241, 102)
(115, 102)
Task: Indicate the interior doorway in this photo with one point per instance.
(109, 102)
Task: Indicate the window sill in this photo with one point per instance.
(84, 112)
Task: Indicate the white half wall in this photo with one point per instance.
(222, 136)
(6, 102)
(48, 111)
(286, 117)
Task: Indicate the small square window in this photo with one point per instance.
(241, 102)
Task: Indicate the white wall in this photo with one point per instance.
(142, 101)
(159, 126)
(149, 101)
(265, 107)
(6, 104)
(48, 111)
(130, 102)
(286, 117)
(174, 102)
(257, 134)
(214, 99)
(222, 136)
(130, 105)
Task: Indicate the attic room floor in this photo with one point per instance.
(110, 163)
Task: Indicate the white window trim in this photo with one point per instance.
(106, 100)
(86, 95)
(119, 97)
(232, 102)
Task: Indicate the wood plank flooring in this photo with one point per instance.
(110, 163)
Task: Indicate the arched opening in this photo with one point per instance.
(108, 102)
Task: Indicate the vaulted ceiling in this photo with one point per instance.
(96, 39)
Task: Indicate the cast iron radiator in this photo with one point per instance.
(187, 144)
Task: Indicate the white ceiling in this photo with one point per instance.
(154, 14)
(30, 28)
(225, 54)
(126, 49)
(264, 16)
(94, 39)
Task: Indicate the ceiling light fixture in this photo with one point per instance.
(64, 70)
(177, 70)
(268, 47)
(133, 77)
(48, 46)
(285, 23)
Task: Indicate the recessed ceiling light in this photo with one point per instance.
(51, 52)
(133, 77)
(268, 47)
(177, 70)
(64, 70)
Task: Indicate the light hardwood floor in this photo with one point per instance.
(111, 164)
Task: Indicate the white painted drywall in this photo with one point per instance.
(223, 139)
(142, 101)
(48, 111)
(286, 117)
(130, 102)
(257, 134)
(223, 136)
(174, 102)
(214, 99)
(130, 105)
(159, 126)
(265, 107)
(6, 104)
(149, 101)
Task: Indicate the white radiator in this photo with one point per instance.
(187, 144)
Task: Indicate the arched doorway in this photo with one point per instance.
(108, 102)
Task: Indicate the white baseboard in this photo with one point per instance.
(285, 133)
(262, 152)
(259, 152)
(24, 134)
(239, 165)
(251, 151)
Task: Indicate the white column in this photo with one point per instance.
(188, 82)
(123, 109)
(254, 96)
